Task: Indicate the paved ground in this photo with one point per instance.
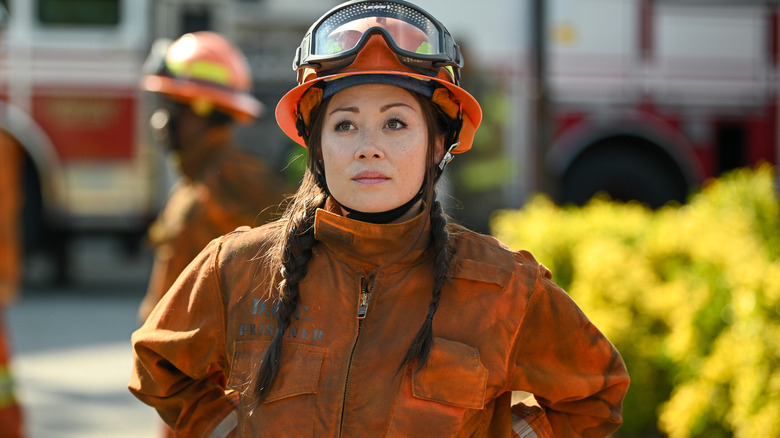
(72, 348)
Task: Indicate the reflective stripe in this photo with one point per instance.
(226, 426)
(522, 428)
(6, 388)
(203, 70)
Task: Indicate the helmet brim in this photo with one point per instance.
(243, 108)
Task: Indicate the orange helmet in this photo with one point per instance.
(204, 70)
(373, 41)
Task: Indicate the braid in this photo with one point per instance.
(296, 254)
(291, 252)
(421, 345)
(438, 124)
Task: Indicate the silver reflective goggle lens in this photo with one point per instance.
(419, 40)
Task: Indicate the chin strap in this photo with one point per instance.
(383, 217)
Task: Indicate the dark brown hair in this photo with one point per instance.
(291, 251)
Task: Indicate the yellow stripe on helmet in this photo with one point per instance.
(203, 70)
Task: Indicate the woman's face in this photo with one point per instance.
(374, 145)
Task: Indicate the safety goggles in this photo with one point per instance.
(419, 40)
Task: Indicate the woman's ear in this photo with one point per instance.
(440, 149)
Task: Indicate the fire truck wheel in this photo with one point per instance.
(37, 237)
(32, 209)
(625, 171)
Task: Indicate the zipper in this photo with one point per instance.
(365, 298)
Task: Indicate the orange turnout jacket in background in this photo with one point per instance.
(502, 325)
(10, 275)
(222, 188)
(10, 210)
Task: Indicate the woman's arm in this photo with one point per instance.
(179, 353)
(574, 372)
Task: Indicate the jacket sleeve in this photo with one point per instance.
(10, 206)
(179, 354)
(172, 256)
(178, 235)
(575, 374)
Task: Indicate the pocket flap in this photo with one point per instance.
(301, 366)
(453, 375)
(467, 269)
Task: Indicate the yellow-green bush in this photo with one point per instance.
(689, 295)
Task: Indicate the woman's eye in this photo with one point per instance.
(395, 124)
(343, 126)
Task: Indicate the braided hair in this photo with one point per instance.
(289, 256)
(288, 259)
(438, 125)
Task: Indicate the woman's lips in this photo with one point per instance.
(370, 177)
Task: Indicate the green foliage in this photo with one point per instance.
(296, 165)
(689, 295)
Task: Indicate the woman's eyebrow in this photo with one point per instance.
(384, 108)
(392, 105)
(350, 109)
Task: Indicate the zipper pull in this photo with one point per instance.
(365, 295)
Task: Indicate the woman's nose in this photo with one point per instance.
(369, 147)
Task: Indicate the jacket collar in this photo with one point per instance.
(375, 244)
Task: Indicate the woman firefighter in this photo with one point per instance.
(364, 311)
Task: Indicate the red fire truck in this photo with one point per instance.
(68, 94)
(649, 97)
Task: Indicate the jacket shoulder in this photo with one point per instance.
(246, 243)
(483, 258)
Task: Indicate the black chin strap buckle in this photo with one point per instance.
(448, 156)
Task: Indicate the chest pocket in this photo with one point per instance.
(433, 401)
(289, 408)
(491, 273)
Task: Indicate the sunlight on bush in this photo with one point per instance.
(689, 295)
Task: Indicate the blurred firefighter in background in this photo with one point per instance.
(11, 160)
(200, 85)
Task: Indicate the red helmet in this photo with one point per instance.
(369, 41)
(206, 71)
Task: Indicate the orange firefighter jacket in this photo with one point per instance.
(501, 325)
(10, 210)
(221, 188)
